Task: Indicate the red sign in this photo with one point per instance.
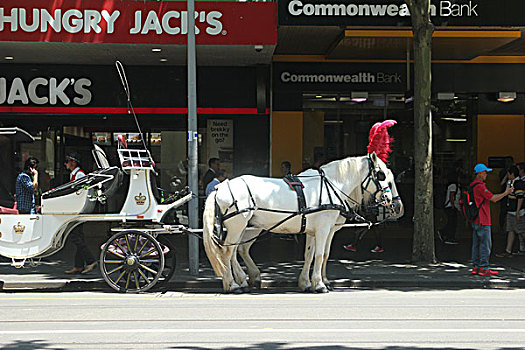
(137, 22)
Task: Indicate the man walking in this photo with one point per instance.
(214, 165)
(481, 238)
(84, 260)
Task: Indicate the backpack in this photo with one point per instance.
(467, 204)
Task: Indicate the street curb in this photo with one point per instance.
(356, 283)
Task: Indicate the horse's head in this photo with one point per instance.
(379, 188)
(396, 208)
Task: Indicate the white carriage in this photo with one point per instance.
(133, 259)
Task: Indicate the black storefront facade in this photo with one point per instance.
(70, 107)
(355, 69)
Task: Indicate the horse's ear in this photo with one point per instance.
(373, 157)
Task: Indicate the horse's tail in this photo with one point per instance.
(211, 246)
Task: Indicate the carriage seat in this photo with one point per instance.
(13, 210)
(109, 187)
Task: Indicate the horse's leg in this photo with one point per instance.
(321, 237)
(304, 278)
(239, 275)
(235, 227)
(254, 273)
(228, 282)
(325, 258)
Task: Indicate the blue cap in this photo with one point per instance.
(481, 167)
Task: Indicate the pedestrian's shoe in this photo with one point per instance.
(475, 270)
(377, 249)
(73, 270)
(350, 248)
(521, 252)
(489, 272)
(505, 254)
(451, 241)
(89, 268)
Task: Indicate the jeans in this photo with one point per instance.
(481, 244)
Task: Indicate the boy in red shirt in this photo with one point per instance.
(481, 239)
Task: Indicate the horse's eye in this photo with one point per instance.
(380, 175)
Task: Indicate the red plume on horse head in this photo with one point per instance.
(379, 141)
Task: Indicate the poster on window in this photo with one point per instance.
(220, 142)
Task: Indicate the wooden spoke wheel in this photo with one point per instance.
(132, 261)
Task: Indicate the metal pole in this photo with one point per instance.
(193, 205)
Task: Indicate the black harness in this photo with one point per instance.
(345, 209)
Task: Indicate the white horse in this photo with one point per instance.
(269, 204)
(396, 211)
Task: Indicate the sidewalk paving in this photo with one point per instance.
(367, 274)
(280, 263)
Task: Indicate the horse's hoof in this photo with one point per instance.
(308, 290)
(237, 291)
(246, 289)
(321, 290)
(256, 285)
(329, 287)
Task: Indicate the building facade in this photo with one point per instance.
(296, 80)
(58, 81)
(342, 65)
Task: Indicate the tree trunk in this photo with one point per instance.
(423, 240)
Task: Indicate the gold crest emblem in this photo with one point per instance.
(140, 199)
(19, 228)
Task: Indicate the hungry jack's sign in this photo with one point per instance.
(137, 22)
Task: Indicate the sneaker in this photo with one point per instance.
(489, 272)
(377, 249)
(451, 241)
(350, 248)
(505, 254)
(475, 270)
(521, 252)
(440, 236)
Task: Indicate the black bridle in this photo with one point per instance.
(375, 176)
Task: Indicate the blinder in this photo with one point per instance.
(380, 175)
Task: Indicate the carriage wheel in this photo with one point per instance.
(131, 261)
(170, 261)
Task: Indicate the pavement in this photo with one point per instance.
(280, 262)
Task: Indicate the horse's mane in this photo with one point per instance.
(345, 171)
(379, 141)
